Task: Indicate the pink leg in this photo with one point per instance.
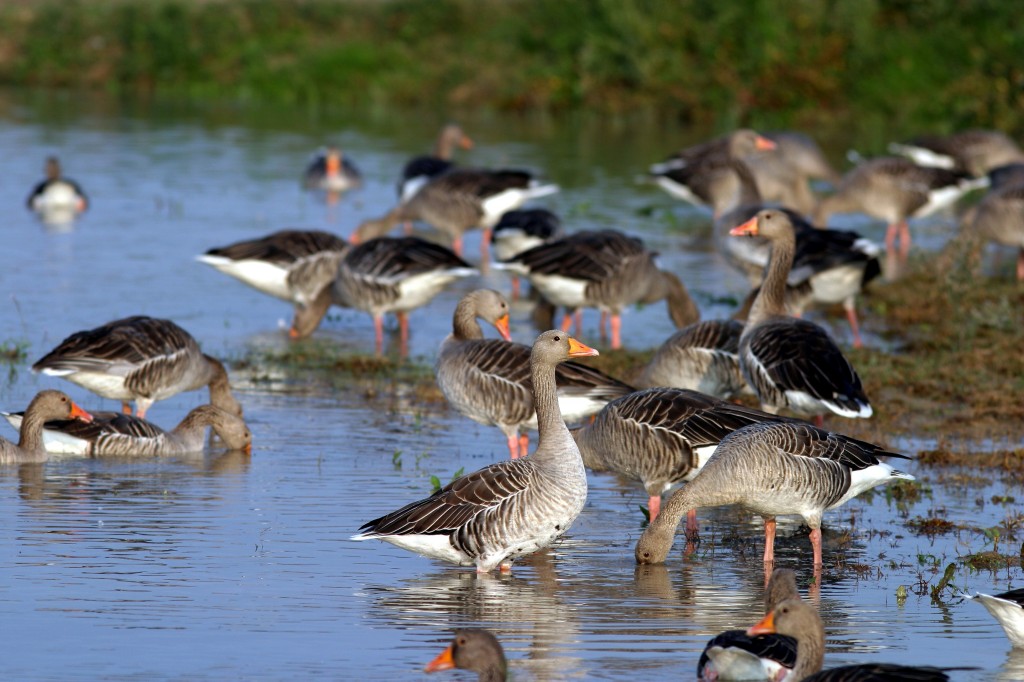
(513, 447)
(378, 333)
(653, 506)
(524, 445)
(485, 245)
(457, 246)
(890, 237)
(819, 421)
(816, 546)
(769, 540)
(579, 322)
(126, 408)
(692, 530)
(904, 239)
(515, 288)
(616, 331)
(566, 322)
(403, 330)
(1020, 265)
(851, 315)
(506, 567)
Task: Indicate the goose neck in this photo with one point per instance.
(770, 300)
(464, 323)
(545, 399)
(30, 440)
(810, 652)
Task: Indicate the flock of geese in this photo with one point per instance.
(671, 424)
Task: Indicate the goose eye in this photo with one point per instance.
(462, 641)
(558, 338)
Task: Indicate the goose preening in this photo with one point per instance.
(420, 169)
(57, 197)
(113, 433)
(735, 655)
(895, 189)
(703, 356)
(491, 517)
(475, 650)
(971, 151)
(488, 380)
(331, 171)
(607, 270)
(46, 406)
(141, 359)
(521, 230)
(999, 217)
(791, 362)
(772, 469)
(801, 621)
(293, 265)
(661, 437)
(1008, 609)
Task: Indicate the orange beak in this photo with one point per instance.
(444, 661)
(466, 143)
(80, 414)
(333, 164)
(764, 144)
(578, 350)
(247, 449)
(748, 228)
(501, 324)
(765, 627)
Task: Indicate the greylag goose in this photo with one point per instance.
(112, 433)
(607, 270)
(783, 174)
(1008, 609)
(661, 436)
(475, 650)
(493, 516)
(999, 217)
(802, 622)
(772, 469)
(787, 361)
(971, 151)
(45, 406)
(57, 194)
(420, 169)
(1006, 175)
(488, 380)
(735, 655)
(895, 189)
(139, 358)
(800, 151)
(297, 266)
(703, 356)
(519, 231)
(331, 171)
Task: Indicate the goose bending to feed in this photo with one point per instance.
(801, 621)
(521, 230)
(1008, 609)
(488, 380)
(772, 469)
(895, 189)
(476, 650)
(331, 171)
(112, 433)
(735, 655)
(506, 510)
(607, 270)
(57, 196)
(139, 358)
(297, 266)
(791, 362)
(971, 151)
(662, 437)
(703, 356)
(421, 169)
(999, 217)
(47, 405)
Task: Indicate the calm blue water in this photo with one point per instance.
(228, 567)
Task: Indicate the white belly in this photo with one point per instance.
(270, 278)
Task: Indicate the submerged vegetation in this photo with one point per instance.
(944, 63)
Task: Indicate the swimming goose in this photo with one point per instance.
(495, 515)
(297, 266)
(1008, 610)
(488, 380)
(57, 194)
(802, 622)
(895, 189)
(661, 437)
(772, 469)
(703, 356)
(608, 270)
(787, 361)
(735, 655)
(112, 433)
(331, 171)
(999, 217)
(476, 650)
(420, 169)
(971, 151)
(139, 358)
(45, 406)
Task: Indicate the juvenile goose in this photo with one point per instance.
(420, 169)
(971, 151)
(607, 270)
(501, 512)
(112, 433)
(139, 358)
(476, 650)
(45, 406)
(802, 622)
(488, 380)
(297, 266)
(774, 468)
(999, 217)
(735, 655)
(661, 437)
(703, 356)
(57, 195)
(1008, 609)
(331, 171)
(791, 362)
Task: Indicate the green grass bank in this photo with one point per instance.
(936, 64)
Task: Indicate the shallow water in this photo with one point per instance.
(224, 566)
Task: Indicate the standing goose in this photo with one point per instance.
(802, 622)
(520, 231)
(297, 266)
(971, 151)
(775, 468)
(421, 169)
(783, 174)
(735, 655)
(703, 356)
(45, 406)
(488, 380)
(506, 510)
(1008, 609)
(331, 171)
(139, 358)
(791, 362)
(112, 433)
(661, 436)
(476, 650)
(999, 217)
